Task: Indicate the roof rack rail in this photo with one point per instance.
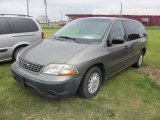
(17, 15)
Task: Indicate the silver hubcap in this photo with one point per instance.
(140, 60)
(93, 83)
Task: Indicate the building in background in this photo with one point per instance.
(42, 19)
(147, 20)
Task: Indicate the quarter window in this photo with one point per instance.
(21, 25)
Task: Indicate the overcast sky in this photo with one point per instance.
(58, 7)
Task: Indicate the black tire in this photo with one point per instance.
(139, 62)
(16, 53)
(84, 88)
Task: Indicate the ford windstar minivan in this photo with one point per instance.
(81, 56)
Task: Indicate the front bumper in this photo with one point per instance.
(46, 85)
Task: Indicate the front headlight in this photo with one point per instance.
(60, 70)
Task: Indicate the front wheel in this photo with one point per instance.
(91, 83)
(16, 53)
(140, 61)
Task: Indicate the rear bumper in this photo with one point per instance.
(45, 88)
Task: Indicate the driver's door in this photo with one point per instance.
(118, 53)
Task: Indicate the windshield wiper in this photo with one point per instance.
(69, 38)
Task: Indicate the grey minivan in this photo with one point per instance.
(81, 56)
(17, 32)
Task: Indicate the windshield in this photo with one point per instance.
(84, 30)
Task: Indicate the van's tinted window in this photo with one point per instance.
(117, 30)
(4, 28)
(21, 25)
(134, 30)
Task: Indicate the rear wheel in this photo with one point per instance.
(91, 83)
(140, 61)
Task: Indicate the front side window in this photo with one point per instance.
(85, 30)
(4, 27)
(21, 25)
(117, 31)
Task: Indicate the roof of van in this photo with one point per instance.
(110, 18)
(14, 15)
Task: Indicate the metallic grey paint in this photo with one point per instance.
(82, 56)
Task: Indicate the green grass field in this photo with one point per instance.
(130, 95)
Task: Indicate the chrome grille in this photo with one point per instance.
(30, 66)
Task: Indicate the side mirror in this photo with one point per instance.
(118, 40)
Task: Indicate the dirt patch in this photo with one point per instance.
(154, 73)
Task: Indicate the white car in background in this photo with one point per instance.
(17, 32)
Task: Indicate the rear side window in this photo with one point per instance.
(134, 30)
(4, 27)
(21, 25)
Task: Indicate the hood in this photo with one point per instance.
(52, 51)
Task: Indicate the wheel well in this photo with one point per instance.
(24, 45)
(144, 50)
(102, 68)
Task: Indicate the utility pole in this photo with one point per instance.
(46, 16)
(121, 10)
(61, 15)
(27, 8)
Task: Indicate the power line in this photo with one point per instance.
(72, 7)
